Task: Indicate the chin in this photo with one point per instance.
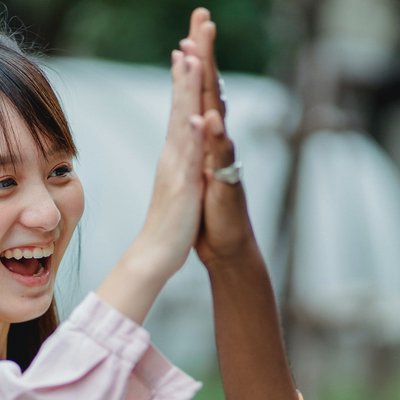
(27, 308)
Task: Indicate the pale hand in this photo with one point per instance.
(173, 218)
(172, 222)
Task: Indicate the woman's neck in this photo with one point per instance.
(4, 328)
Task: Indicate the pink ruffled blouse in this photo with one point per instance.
(97, 354)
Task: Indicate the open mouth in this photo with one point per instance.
(35, 267)
(29, 264)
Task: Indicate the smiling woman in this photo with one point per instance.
(101, 351)
(31, 120)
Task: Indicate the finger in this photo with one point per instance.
(189, 47)
(186, 75)
(200, 42)
(193, 84)
(195, 146)
(205, 42)
(211, 89)
(203, 48)
(220, 148)
(177, 73)
(199, 15)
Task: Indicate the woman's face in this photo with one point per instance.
(41, 201)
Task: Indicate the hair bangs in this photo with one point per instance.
(27, 90)
(9, 147)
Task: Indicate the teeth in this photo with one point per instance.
(27, 254)
(48, 251)
(17, 254)
(36, 252)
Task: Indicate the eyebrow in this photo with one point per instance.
(15, 159)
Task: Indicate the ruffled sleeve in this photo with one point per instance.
(97, 354)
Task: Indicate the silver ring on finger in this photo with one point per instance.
(231, 174)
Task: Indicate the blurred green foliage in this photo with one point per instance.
(144, 31)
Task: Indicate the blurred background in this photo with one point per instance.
(314, 107)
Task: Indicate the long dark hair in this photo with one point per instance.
(25, 87)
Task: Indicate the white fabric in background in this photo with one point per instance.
(347, 237)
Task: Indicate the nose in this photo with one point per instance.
(40, 211)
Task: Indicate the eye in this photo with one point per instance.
(7, 183)
(61, 171)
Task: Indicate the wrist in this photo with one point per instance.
(245, 255)
(161, 256)
(137, 279)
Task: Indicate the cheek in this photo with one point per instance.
(9, 211)
(77, 204)
(71, 204)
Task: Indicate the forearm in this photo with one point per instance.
(135, 282)
(250, 347)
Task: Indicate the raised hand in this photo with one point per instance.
(250, 347)
(173, 218)
(174, 214)
(225, 223)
